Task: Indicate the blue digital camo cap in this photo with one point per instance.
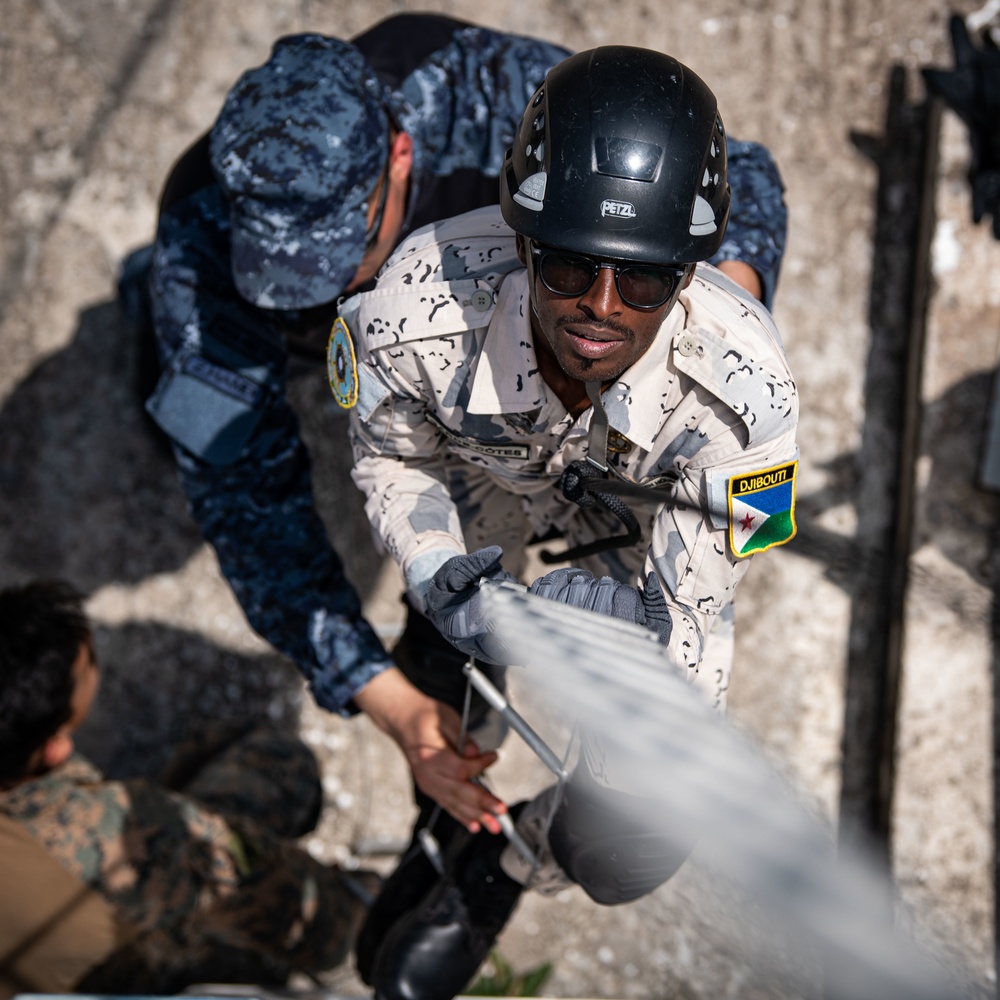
(297, 148)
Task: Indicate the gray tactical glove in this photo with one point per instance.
(454, 604)
(609, 597)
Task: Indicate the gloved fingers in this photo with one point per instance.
(652, 593)
(461, 571)
(555, 584)
(492, 648)
(654, 603)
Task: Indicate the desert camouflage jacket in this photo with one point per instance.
(223, 398)
(450, 396)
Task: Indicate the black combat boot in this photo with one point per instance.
(433, 952)
(434, 666)
(413, 879)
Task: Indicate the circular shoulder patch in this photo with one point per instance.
(341, 366)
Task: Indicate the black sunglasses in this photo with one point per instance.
(642, 286)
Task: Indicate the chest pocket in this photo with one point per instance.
(209, 410)
(210, 402)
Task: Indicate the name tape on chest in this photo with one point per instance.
(520, 451)
(762, 509)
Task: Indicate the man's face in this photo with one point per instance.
(86, 680)
(391, 193)
(387, 235)
(592, 336)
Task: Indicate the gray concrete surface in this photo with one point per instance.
(100, 96)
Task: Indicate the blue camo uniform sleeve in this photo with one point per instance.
(758, 219)
(242, 462)
(463, 105)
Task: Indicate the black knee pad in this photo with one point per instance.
(623, 868)
(612, 855)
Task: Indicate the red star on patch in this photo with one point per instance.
(747, 521)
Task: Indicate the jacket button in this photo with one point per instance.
(481, 300)
(687, 345)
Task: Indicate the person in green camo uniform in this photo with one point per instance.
(202, 869)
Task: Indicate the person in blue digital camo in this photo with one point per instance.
(522, 372)
(320, 161)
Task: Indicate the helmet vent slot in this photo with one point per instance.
(632, 159)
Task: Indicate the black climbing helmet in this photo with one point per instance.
(621, 154)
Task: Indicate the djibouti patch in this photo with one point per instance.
(341, 365)
(762, 509)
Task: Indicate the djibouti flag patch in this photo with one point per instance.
(762, 509)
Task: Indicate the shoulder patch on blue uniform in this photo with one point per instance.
(341, 365)
(762, 509)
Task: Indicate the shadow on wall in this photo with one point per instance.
(959, 513)
(87, 493)
(92, 496)
(161, 687)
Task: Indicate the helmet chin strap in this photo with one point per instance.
(586, 483)
(597, 443)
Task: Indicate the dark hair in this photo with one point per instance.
(42, 626)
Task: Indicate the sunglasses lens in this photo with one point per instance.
(642, 286)
(566, 274)
(646, 286)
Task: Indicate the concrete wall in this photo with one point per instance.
(100, 96)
